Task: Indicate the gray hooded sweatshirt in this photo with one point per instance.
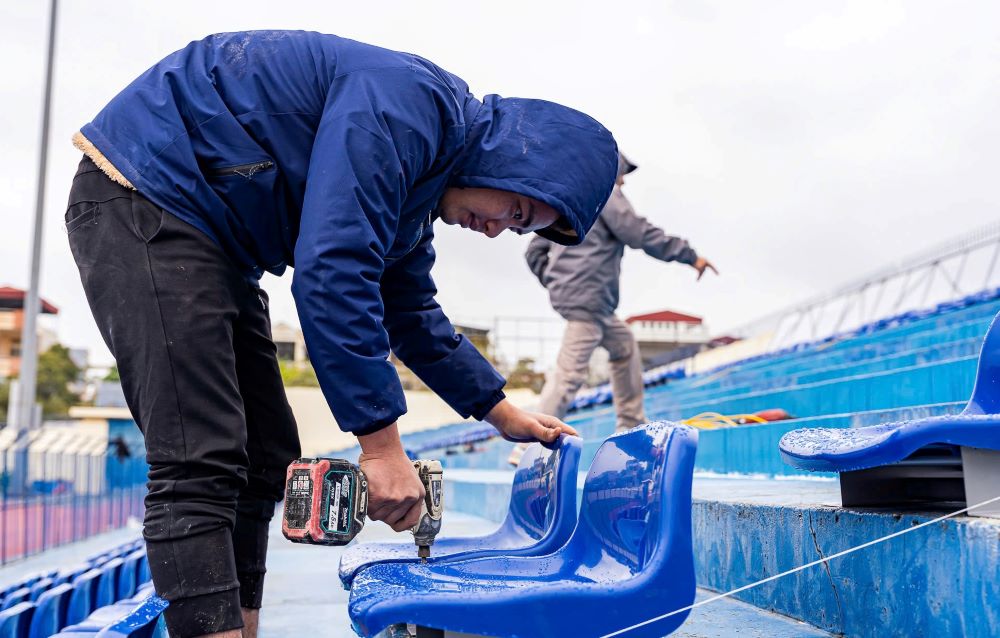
(583, 280)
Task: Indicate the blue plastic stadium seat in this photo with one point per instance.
(128, 574)
(109, 581)
(50, 611)
(15, 622)
(103, 617)
(144, 621)
(143, 575)
(85, 595)
(540, 518)
(16, 597)
(72, 573)
(628, 561)
(938, 459)
(40, 586)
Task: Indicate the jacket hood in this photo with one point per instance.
(543, 150)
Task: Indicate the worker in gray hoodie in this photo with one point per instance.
(583, 282)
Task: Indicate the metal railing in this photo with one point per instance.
(50, 499)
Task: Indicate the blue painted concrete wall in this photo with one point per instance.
(943, 580)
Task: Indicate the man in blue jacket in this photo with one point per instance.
(247, 153)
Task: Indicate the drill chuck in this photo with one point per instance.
(426, 530)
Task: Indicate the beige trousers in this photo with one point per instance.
(579, 342)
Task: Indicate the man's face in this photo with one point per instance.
(490, 211)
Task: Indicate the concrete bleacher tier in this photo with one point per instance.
(108, 595)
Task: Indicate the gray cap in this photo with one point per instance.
(624, 165)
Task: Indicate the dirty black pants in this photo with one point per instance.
(192, 340)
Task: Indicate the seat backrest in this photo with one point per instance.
(986, 393)
(84, 597)
(16, 597)
(127, 576)
(50, 611)
(40, 586)
(143, 574)
(636, 506)
(16, 621)
(109, 580)
(544, 490)
(145, 621)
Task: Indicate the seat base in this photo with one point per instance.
(982, 480)
(931, 476)
(936, 476)
(415, 631)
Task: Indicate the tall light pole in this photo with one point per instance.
(25, 410)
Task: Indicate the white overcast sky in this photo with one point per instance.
(796, 144)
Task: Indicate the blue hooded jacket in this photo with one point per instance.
(301, 149)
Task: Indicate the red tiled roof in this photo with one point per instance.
(665, 315)
(14, 298)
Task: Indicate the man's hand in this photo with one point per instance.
(514, 424)
(394, 490)
(701, 265)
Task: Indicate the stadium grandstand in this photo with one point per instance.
(873, 352)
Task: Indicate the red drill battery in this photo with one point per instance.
(325, 501)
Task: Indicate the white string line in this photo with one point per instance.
(802, 567)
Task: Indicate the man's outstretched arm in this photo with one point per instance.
(635, 231)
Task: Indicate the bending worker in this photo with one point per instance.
(583, 286)
(247, 153)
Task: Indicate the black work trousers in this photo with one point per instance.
(192, 339)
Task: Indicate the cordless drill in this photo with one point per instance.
(326, 501)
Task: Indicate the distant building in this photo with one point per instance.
(290, 343)
(480, 337)
(668, 335)
(11, 323)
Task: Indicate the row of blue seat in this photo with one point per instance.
(41, 605)
(974, 310)
(949, 333)
(828, 368)
(939, 343)
(140, 616)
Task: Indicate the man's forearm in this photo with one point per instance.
(384, 442)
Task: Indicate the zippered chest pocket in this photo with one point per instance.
(408, 238)
(246, 171)
(252, 192)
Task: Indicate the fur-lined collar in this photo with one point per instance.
(98, 158)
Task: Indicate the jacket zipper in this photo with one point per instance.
(243, 170)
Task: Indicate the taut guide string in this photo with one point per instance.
(802, 567)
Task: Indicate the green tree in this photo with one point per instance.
(56, 371)
(112, 374)
(293, 374)
(4, 398)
